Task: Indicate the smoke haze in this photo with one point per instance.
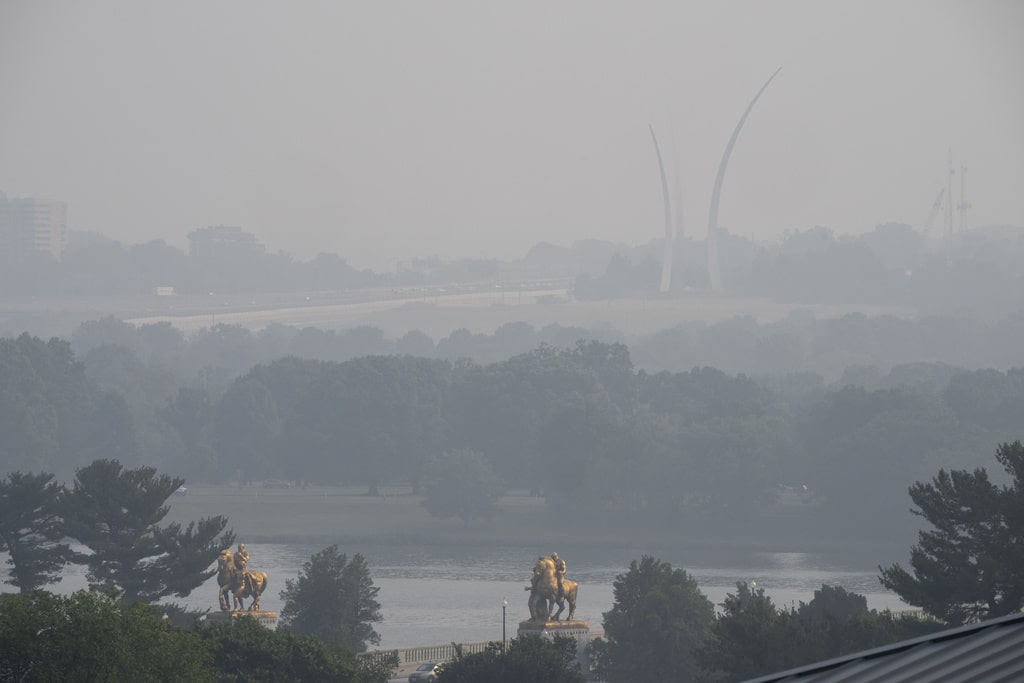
(381, 131)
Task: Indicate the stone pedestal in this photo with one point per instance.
(549, 630)
(268, 619)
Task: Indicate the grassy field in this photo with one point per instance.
(342, 514)
(319, 514)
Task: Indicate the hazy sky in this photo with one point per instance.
(384, 130)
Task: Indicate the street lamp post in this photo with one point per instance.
(504, 605)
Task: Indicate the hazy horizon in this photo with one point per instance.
(386, 131)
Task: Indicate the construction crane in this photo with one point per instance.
(934, 212)
(964, 204)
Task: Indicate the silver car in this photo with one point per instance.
(426, 673)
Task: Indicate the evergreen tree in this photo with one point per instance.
(116, 513)
(333, 598)
(971, 565)
(30, 527)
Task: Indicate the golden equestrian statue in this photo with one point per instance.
(234, 576)
(549, 587)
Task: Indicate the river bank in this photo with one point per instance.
(350, 517)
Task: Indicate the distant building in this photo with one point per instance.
(219, 241)
(28, 224)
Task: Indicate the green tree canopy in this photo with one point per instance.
(614, 368)
(364, 420)
(527, 659)
(461, 484)
(833, 601)
(244, 651)
(500, 409)
(92, 636)
(970, 566)
(116, 513)
(658, 621)
(333, 598)
(52, 416)
(751, 637)
(387, 416)
(186, 418)
(247, 431)
(30, 527)
(575, 438)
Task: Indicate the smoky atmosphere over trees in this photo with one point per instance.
(386, 134)
(666, 281)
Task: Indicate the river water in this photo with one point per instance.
(438, 595)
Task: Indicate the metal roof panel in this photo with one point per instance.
(989, 651)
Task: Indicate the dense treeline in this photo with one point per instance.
(661, 622)
(93, 636)
(801, 349)
(577, 424)
(93, 264)
(978, 271)
(53, 417)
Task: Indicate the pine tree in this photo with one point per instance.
(30, 527)
(116, 513)
(971, 565)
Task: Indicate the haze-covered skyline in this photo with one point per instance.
(386, 131)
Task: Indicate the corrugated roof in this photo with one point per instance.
(987, 652)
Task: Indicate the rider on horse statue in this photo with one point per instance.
(559, 573)
(549, 587)
(242, 563)
(235, 579)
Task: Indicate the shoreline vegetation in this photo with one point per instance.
(348, 515)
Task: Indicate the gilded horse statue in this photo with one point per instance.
(544, 592)
(233, 577)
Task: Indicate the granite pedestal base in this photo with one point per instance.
(549, 630)
(268, 619)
